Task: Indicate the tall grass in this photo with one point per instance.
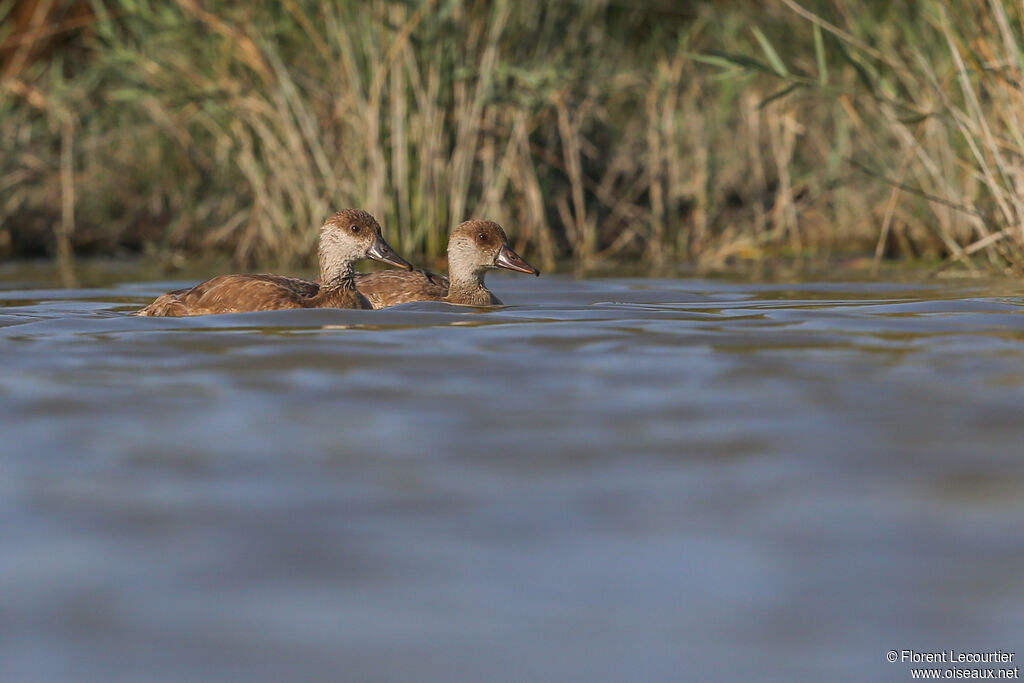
(939, 110)
(594, 132)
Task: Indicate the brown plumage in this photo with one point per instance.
(346, 237)
(473, 248)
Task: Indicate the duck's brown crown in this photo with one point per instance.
(347, 217)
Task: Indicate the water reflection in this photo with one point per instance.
(611, 479)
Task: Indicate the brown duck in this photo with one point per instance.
(346, 237)
(473, 248)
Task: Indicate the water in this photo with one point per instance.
(606, 480)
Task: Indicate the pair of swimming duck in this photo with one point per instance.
(345, 238)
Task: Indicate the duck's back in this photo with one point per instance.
(235, 294)
(393, 287)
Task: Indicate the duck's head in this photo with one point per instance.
(479, 245)
(351, 235)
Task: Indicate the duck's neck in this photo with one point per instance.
(464, 278)
(337, 285)
(337, 271)
(466, 284)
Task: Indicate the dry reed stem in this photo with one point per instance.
(66, 227)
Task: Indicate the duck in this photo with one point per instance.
(474, 247)
(345, 237)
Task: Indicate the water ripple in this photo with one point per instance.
(604, 479)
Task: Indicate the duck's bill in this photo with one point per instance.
(511, 260)
(381, 251)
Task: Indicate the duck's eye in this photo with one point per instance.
(356, 228)
(482, 237)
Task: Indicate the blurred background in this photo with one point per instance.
(597, 132)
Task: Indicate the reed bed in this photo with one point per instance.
(596, 133)
(938, 108)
